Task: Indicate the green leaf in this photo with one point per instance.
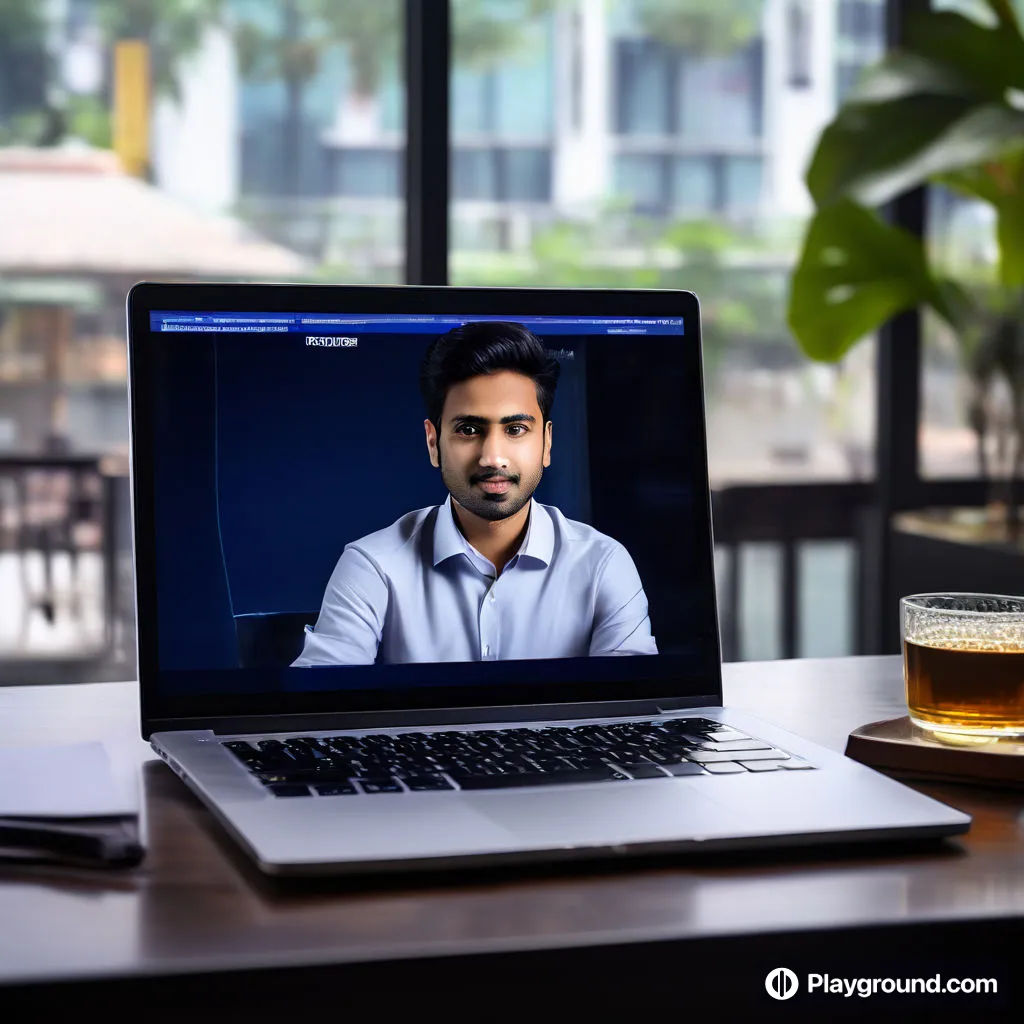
(1005, 14)
(938, 106)
(989, 60)
(873, 152)
(1010, 234)
(900, 75)
(986, 181)
(1001, 185)
(855, 273)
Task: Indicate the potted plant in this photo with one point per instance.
(945, 108)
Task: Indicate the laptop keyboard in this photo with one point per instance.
(348, 765)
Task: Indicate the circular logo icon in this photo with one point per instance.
(782, 983)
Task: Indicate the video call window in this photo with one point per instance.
(381, 491)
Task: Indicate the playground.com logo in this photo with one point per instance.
(782, 983)
(336, 341)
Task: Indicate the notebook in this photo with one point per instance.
(69, 804)
(425, 580)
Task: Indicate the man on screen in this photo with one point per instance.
(489, 574)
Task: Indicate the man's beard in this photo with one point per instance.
(492, 507)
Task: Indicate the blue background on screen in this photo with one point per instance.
(271, 456)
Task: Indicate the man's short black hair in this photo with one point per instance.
(483, 347)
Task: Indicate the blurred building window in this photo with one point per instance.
(372, 173)
(743, 181)
(693, 183)
(645, 94)
(798, 42)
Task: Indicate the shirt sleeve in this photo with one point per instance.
(621, 622)
(351, 620)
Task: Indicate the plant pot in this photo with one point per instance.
(955, 549)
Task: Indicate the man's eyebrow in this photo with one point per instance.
(482, 421)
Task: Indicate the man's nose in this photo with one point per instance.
(492, 453)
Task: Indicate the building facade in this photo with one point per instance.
(586, 108)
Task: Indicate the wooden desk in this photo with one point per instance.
(194, 925)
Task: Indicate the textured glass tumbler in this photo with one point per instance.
(963, 663)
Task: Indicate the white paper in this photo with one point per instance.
(70, 781)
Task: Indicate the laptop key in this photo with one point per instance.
(724, 767)
(423, 783)
(737, 745)
(380, 785)
(288, 789)
(684, 768)
(710, 756)
(337, 789)
(762, 766)
(302, 775)
(642, 771)
(538, 779)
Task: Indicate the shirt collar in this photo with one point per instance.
(538, 544)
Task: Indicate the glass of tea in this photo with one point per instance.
(963, 663)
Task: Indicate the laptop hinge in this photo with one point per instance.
(441, 716)
(688, 703)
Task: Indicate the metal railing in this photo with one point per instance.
(62, 509)
(789, 515)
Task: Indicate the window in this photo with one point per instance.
(640, 178)
(863, 20)
(798, 43)
(644, 97)
(370, 173)
(246, 165)
(720, 98)
(576, 70)
(743, 182)
(502, 174)
(693, 184)
(681, 180)
(966, 428)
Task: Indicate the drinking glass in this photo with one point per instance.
(963, 663)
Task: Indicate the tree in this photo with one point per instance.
(370, 32)
(174, 30)
(742, 300)
(25, 70)
(29, 87)
(705, 27)
(292, 56)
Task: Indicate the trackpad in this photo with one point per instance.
(606, 814)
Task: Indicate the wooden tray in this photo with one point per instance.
(901, 748)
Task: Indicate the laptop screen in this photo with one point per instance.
(382, 503)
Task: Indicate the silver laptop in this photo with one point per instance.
(425, 579)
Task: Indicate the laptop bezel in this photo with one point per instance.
(241, 711)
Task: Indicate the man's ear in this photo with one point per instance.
(431, 433)
(547, 444)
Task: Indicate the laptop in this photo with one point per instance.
(425, 580)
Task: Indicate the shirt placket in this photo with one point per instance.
(489, 623)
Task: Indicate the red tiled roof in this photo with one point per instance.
(67, 211)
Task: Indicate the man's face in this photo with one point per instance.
(493, 444)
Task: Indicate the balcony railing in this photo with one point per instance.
(789, 520)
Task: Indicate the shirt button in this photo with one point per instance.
(492, 596)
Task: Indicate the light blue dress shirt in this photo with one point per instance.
(419, 592)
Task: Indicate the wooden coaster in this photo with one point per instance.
(900, 747)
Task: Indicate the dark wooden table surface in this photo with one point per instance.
(194, 924)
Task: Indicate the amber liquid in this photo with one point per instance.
(964, 689)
